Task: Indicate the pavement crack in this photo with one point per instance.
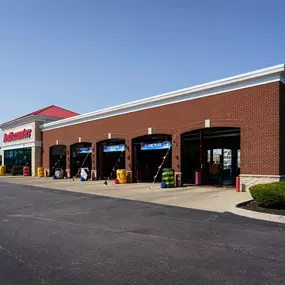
(254, 255)
(215, 233)
(35, 257)
(52, 203)
(2, 248)
(37, 274)
(25, 207)
(62, 222)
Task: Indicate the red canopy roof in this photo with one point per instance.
(50, 111)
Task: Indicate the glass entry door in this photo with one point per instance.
(227, 170)
(222, 166)
(214, 166)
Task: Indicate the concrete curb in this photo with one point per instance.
(256, 215)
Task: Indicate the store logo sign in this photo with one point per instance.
(24, 134)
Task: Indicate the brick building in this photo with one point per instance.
(217, 131)
(22, 138)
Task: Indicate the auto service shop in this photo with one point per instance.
(22, 138)
(209, 134)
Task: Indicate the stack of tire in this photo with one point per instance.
(121, 176)
(2, 170)
(58, 174)
(41, 172)
(26, 171)
(168, 177)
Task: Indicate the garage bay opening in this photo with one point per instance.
(110, 157)
(211, 156)
(57, 158)
(148, 153)
(80, 157)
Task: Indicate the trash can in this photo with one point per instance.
(198, 177)
(237, 184)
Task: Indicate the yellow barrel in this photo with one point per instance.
(122, 176)
(41, 172)
(3, 170)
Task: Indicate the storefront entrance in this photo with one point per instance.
(222, 166)
(215, 153)
(148, 154)
(18, 157)
(57, 158)
(111, 156)
(80, 157)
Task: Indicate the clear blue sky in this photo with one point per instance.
(85, 55)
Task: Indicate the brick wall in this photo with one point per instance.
(255, 110)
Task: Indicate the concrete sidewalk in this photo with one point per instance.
(204, 198)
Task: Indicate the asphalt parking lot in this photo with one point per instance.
(59, 237)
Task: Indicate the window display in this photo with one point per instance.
(18, 157)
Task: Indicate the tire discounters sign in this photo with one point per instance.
(14, 136)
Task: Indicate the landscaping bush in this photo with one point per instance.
(18, 170)
(269, 195)
(279, 183)
(13, 170)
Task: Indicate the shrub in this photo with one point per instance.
(13, 170)
(269, 195)
(279, 183)
(18, 170)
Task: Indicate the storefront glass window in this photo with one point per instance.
(18, 157)
(217, 153)
(20, 160)
(8, 156)
(209, 156)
